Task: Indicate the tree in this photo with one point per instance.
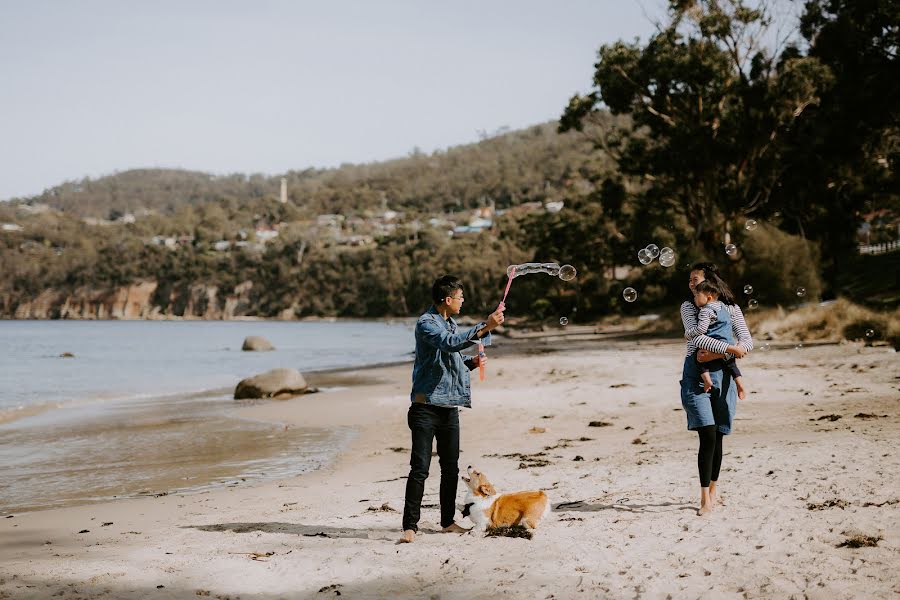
(710, 105)
(843, 162)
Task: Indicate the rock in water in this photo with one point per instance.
(271, 383)
(255, 343)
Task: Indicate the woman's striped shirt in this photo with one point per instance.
(697, 340)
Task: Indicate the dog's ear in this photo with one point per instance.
(487, 489)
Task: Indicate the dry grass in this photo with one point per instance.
(833, 322)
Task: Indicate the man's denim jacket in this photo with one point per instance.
(440, 372)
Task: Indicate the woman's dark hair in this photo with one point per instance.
(708, 287)
(444, 286)
(711, 274)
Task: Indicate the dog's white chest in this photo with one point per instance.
(480, 509)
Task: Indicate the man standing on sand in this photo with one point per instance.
(440, 384)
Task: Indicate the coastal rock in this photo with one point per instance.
(255, 343)
(240, 302)
(145, 299)
(202, 302)
(133, 301)
(43, 306)
(271, 383)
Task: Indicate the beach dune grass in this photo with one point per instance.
(831, 322)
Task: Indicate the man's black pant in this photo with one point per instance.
(427, 422)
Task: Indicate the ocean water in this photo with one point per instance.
(125, 359)
(145, 407)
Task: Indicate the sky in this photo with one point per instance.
(98, 86)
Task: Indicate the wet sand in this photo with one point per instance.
(812, 471)
(81, 452)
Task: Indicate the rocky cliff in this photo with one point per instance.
(139, 300)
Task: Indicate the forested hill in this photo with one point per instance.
(508, 169)
(775, 166)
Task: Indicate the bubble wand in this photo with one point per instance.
(481, 354)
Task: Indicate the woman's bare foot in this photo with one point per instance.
(453, 528)
(705, 502)
(713, 495)
(408, 536)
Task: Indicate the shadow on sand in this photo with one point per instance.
(582, 506)
(327, 531)
(324, 531)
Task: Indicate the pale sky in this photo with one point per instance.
(90, 87)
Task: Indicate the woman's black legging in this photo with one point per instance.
(709, 457)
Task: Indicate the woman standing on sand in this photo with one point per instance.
(711, 413)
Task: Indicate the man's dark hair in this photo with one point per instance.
(711, 274)
(444, 286)
(708, 287)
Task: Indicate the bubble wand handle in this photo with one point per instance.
(481, 357)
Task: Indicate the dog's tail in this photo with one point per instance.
(548, 507)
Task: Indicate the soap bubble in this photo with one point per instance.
(567, 272)
(667, 257)
(551, 269)
(653, 249)
(630, 294)
(754, 303)
(645, 257)
(730, 249)
(801, 291)
(799, 346)
(870, 333)
(750, 225)
(765, 347)
(748, 289)
(563, 321)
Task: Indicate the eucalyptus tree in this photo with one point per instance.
(711, 96)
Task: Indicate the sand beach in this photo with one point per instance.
(811, 472)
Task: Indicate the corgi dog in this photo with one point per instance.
(486, 508)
